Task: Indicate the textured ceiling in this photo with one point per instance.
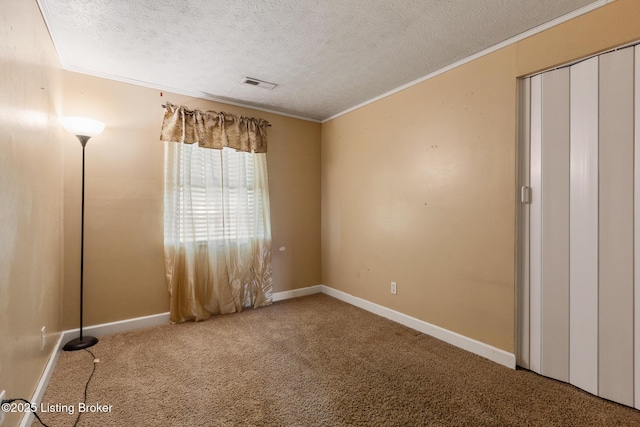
(325, 55)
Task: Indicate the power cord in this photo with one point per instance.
(31, 405)
(86, 387)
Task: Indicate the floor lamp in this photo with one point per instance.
(83, 129)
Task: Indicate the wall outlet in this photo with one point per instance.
(394, 288)
(43, 338)
(2, 393)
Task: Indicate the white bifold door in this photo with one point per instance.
(579, 240)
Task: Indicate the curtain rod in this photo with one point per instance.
(165, 107)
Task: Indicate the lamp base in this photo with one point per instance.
(80, 343)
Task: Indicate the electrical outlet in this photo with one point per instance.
(2, 393)
(394, 288)
(43, 338)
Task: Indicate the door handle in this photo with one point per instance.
(525, 195)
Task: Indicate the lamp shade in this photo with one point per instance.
(81, 126)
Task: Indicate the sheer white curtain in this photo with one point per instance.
(217, 230)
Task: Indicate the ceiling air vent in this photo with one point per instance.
(259, 83)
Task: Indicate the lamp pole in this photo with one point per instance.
(83, 136)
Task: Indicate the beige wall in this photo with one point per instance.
(419, 187)
(124, 264)
(30, 198)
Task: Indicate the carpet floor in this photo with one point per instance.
(310, 361)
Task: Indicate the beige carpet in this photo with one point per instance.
(311, 361)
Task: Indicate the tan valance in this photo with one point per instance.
(211, 129)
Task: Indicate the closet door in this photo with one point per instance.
(579, 302)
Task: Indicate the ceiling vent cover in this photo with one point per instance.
(259, 83)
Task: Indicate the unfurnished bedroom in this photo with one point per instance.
(333, 213)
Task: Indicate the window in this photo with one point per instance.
(217, 194)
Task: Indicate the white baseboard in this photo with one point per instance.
(119, 326)
(469, 344)
(97, 330)
(481, 349)
(27, 418)
(161, 318)
(295, 293)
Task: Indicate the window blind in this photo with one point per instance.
(216, 209)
